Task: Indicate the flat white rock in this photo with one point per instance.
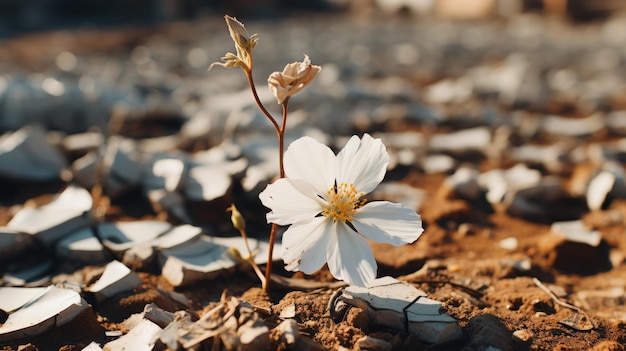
(121, 236)
(37, 310)
(115, 279)
(577, 231)
(207, 258)
(391, 300)
(472, 139)
(82, 246)
(66, 213)
(26, 155)
(141, 338)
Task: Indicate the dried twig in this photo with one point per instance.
(584, 323)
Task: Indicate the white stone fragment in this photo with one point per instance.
(599, 188)
(577, 231)
(391, 301)
(34, 275)
(464, 183)
(82, 142)
(509, 243)
(499, 182)
(164, 173)
(93, 346)
(140, 338)
(467, 140)
(206, 183)
(402, 193)
(288, 330)
(36, 310)
(13, 243)
(26, 155)
(151, 312)
(573, 127)
(121, 236)
(67, 212)
(83, 246)
(208, 258)
(449, 91)
(438, 164)
(368, 343)
(115, 279)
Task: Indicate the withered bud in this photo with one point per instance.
(292, 79)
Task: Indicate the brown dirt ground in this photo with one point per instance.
(457, 260)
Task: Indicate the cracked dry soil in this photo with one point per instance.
(458, 261)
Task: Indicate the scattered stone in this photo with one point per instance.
(66, 213)
(122, 236)
(82, 246)
(573, 127)
(462, 184)
(568, 249)
(391, 302)
(576, 231)
(33, 311)
(35, 274)
(523, 334)
(153, 313)
(402, 193)
(288, 330)
(368, 343)
(115, 279)
(438, 164)
(26, 155)
(509, 243)
(208, 258)
(464, 141)
(486, 332)
(13, 243)
(141, 338)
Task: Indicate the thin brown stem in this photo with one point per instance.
(270, 254)
(281, 154)
(258, 101)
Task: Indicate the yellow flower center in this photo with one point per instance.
(343, 202)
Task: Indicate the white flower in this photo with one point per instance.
(322, 199)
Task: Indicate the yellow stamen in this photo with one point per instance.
(343, 202)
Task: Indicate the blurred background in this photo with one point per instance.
(19, 16)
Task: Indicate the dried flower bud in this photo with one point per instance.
(292, 79)
(244, 44)
(236, 218)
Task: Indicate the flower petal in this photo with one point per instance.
(350, 256)
(304, 245)
(290, 201)
(311, 161)
(363, 162)
(388, 222)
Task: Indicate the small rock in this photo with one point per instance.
(576, 231)
(141, 338)
(115, 279)
(288, 330)
(207, 258)
(36, 310)
(464, 141)
(13, 243)
(82, 246)
(391, 302)
(509, 243)
(66, 213)
(368, 343)
(122, 236)
(523, 334)
(573, 127)
(487, 332)
(26, 155)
